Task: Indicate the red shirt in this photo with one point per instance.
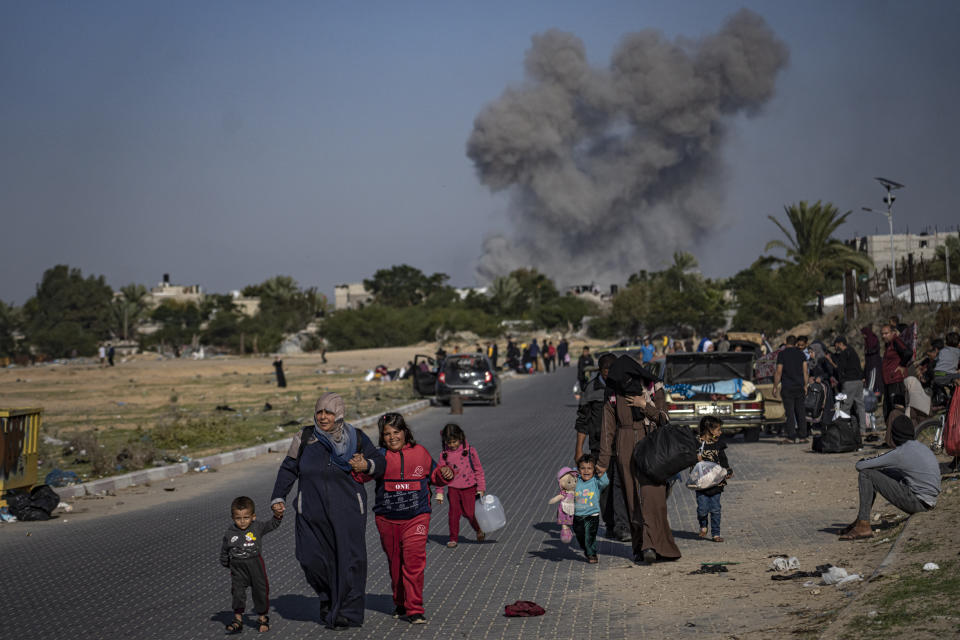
(896, 355)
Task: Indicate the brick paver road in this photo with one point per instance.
(154, 573)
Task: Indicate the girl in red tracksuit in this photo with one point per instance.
(468, 484)
(402, 511)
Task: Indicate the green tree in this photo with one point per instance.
(284, 308)
(129, 309)
(810, 243)
(406, 286)
(180, 322)
(505, 294)
(771, 299)
(68, 313)
(10, 323)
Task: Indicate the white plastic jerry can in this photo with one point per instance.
(489, 512)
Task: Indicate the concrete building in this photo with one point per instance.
(248, 306)
(179, 293)
(921, 245)
(351, 296)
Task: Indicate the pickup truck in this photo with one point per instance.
(741, 411)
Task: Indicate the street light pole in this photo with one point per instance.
(888, 199)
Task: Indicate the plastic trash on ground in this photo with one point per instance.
(839, 576)
(785, 564)
(490, 514)
(931, 566)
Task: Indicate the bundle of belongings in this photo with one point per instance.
(706, 474)
(666, 449)
(841, 434)
(733, 389)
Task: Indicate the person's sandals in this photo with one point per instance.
(592, 559)
(703, 533)
(263, 621)
(853, 534)
(481, 536)
(717, 539)
(649, 556)
(417, 618)
(235, 627)
(452, 545)
(788, 441)
(399, 612)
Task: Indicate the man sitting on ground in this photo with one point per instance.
(908, 477)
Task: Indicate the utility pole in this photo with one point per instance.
(888, 199)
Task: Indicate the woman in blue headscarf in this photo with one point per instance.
(331, 509)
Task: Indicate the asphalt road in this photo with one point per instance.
(153, 573)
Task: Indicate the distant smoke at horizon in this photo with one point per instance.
(610, 171)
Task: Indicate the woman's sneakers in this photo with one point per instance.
(417, 618)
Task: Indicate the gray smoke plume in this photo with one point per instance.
(612, 170)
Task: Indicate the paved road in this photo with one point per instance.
(154, 573)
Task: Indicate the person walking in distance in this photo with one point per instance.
(585, 360)
(790, 382)
(278, 367)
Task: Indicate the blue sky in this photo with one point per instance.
(226, 142)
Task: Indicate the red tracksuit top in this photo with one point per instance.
(403, 491)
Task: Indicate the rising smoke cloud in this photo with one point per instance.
(612, 170)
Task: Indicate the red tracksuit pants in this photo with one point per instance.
(462, 505)
(405, 543)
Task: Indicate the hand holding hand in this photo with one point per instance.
(601, 471)
(278, 509)
(446, 472)
(358, 463)
(637, 401)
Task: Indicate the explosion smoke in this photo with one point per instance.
(612, 170)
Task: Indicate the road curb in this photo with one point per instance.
(213, 461)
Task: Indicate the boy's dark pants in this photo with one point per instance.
(585, 528)
(709, 506)
(249, 572)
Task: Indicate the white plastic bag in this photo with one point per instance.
(706, 474)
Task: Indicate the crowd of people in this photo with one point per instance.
(621, 403)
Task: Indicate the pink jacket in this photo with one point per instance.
(466, 464)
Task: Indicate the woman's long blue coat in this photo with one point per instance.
(330, 527)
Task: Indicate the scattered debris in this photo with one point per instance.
(224, 407)
(782, 563)
(931, 566)
(872, 614)
(169, 488)
(709, 568)
(838, 576)
(267, 406)
(60, 478)
(65, 507)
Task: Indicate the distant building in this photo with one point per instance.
(463, 292)
(178, 293)
(351, 296)
(921, 245)
(248, 306)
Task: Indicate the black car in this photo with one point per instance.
(471, 377)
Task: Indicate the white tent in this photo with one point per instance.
(937, 290)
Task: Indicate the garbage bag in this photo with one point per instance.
(840, 436)
(665, 452)
(45, 498)
(60, 478)
(706, 474)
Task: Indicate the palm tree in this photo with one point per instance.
(129, 309)
(812, 246)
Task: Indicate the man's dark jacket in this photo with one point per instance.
(590, 412)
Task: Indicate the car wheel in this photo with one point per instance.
(751, 434)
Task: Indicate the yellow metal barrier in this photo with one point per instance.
(19, 432)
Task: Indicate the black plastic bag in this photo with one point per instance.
(665, 452)
(840, 436)
(45, 498)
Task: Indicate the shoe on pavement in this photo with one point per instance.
(452, 544)
(417, 618)
(399, 612)
(481, 536)
(649, 556)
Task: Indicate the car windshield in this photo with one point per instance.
(464, 369)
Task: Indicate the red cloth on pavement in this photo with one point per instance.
(523, 609)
